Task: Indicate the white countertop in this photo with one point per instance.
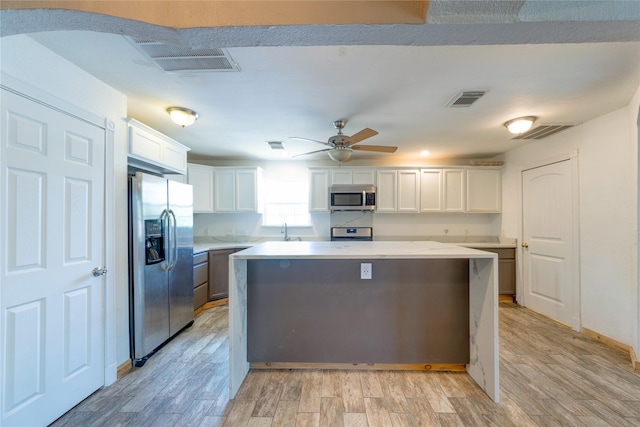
(203, 247)
(359, 250)
(480, 242)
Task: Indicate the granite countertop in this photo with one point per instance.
(358, 250)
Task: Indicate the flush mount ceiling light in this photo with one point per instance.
(520, 125)
(182, 116)
(340, 154)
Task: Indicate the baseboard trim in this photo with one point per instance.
(449, 367)
(635, 364)
(210, 304)
(124, 368)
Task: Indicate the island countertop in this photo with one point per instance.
(482, 288)
(358, 250)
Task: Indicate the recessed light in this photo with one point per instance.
(424, 153)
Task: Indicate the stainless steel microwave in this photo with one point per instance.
(345, 197)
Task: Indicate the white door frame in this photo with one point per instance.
(36, 95)
(571, 156)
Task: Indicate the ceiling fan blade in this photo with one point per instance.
(360, 136)
(312, 152)
(379, 148)
(310, 140)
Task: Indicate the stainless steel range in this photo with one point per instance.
(352, 233)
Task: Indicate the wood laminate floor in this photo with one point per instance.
(549, 376)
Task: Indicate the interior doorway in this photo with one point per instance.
(549, 241)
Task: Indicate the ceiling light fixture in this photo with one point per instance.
(520, 125)
(182, 116)
(424, 153)
(340, 154)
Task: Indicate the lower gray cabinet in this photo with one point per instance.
(506, 269)
(200, 279)
(219, 274)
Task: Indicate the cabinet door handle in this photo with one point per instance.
(525, 245)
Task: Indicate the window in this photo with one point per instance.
(286, 200)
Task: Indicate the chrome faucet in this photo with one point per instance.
(285, 230)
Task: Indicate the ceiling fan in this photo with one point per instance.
(341, 146)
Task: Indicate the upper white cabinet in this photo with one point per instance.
(431, 190)
(484, 190)
(318, 190)
(453, 190)
(442, 190)
(398, 190)
(237, 189)
(151, 150)
(352, 176)
(471, 189)
(201, 178)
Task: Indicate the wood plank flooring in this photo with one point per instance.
(550, 376)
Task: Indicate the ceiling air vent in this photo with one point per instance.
(276, 145)
(180, 59)
(466, 98)
(543, 131)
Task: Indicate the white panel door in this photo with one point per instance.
(548, 240)
(52, 236)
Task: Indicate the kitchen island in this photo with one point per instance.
(410, 280)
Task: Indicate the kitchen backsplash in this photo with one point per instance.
(242, 227)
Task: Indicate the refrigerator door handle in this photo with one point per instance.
(166, 231)
(174, 240)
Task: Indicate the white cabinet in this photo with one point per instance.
(319, 190)
(201, 178)
(237, 189)
(484, 190)
(442, 190)
(151, 150)
(398, 190)
(352, 176)
(453, 190)
(431, 190)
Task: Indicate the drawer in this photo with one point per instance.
(200, 296)
(199, 258)
(200, 274)
(503, 253)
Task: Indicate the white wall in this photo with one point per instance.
(608, 180)
(24, 59)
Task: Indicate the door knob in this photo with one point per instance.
(97, 272)
(525, 245)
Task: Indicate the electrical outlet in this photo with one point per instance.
(365, 270)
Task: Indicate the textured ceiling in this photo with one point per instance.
(563, 61)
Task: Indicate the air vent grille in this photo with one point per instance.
(466, 98)
(543, 131)
(276, 145)
(178, 59)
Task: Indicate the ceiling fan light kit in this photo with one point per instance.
(182, 116)
(520, 124)
(341, 146)
(340, 155)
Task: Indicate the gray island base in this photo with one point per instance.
(427, 305)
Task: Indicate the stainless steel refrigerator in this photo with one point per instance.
(160, 262)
